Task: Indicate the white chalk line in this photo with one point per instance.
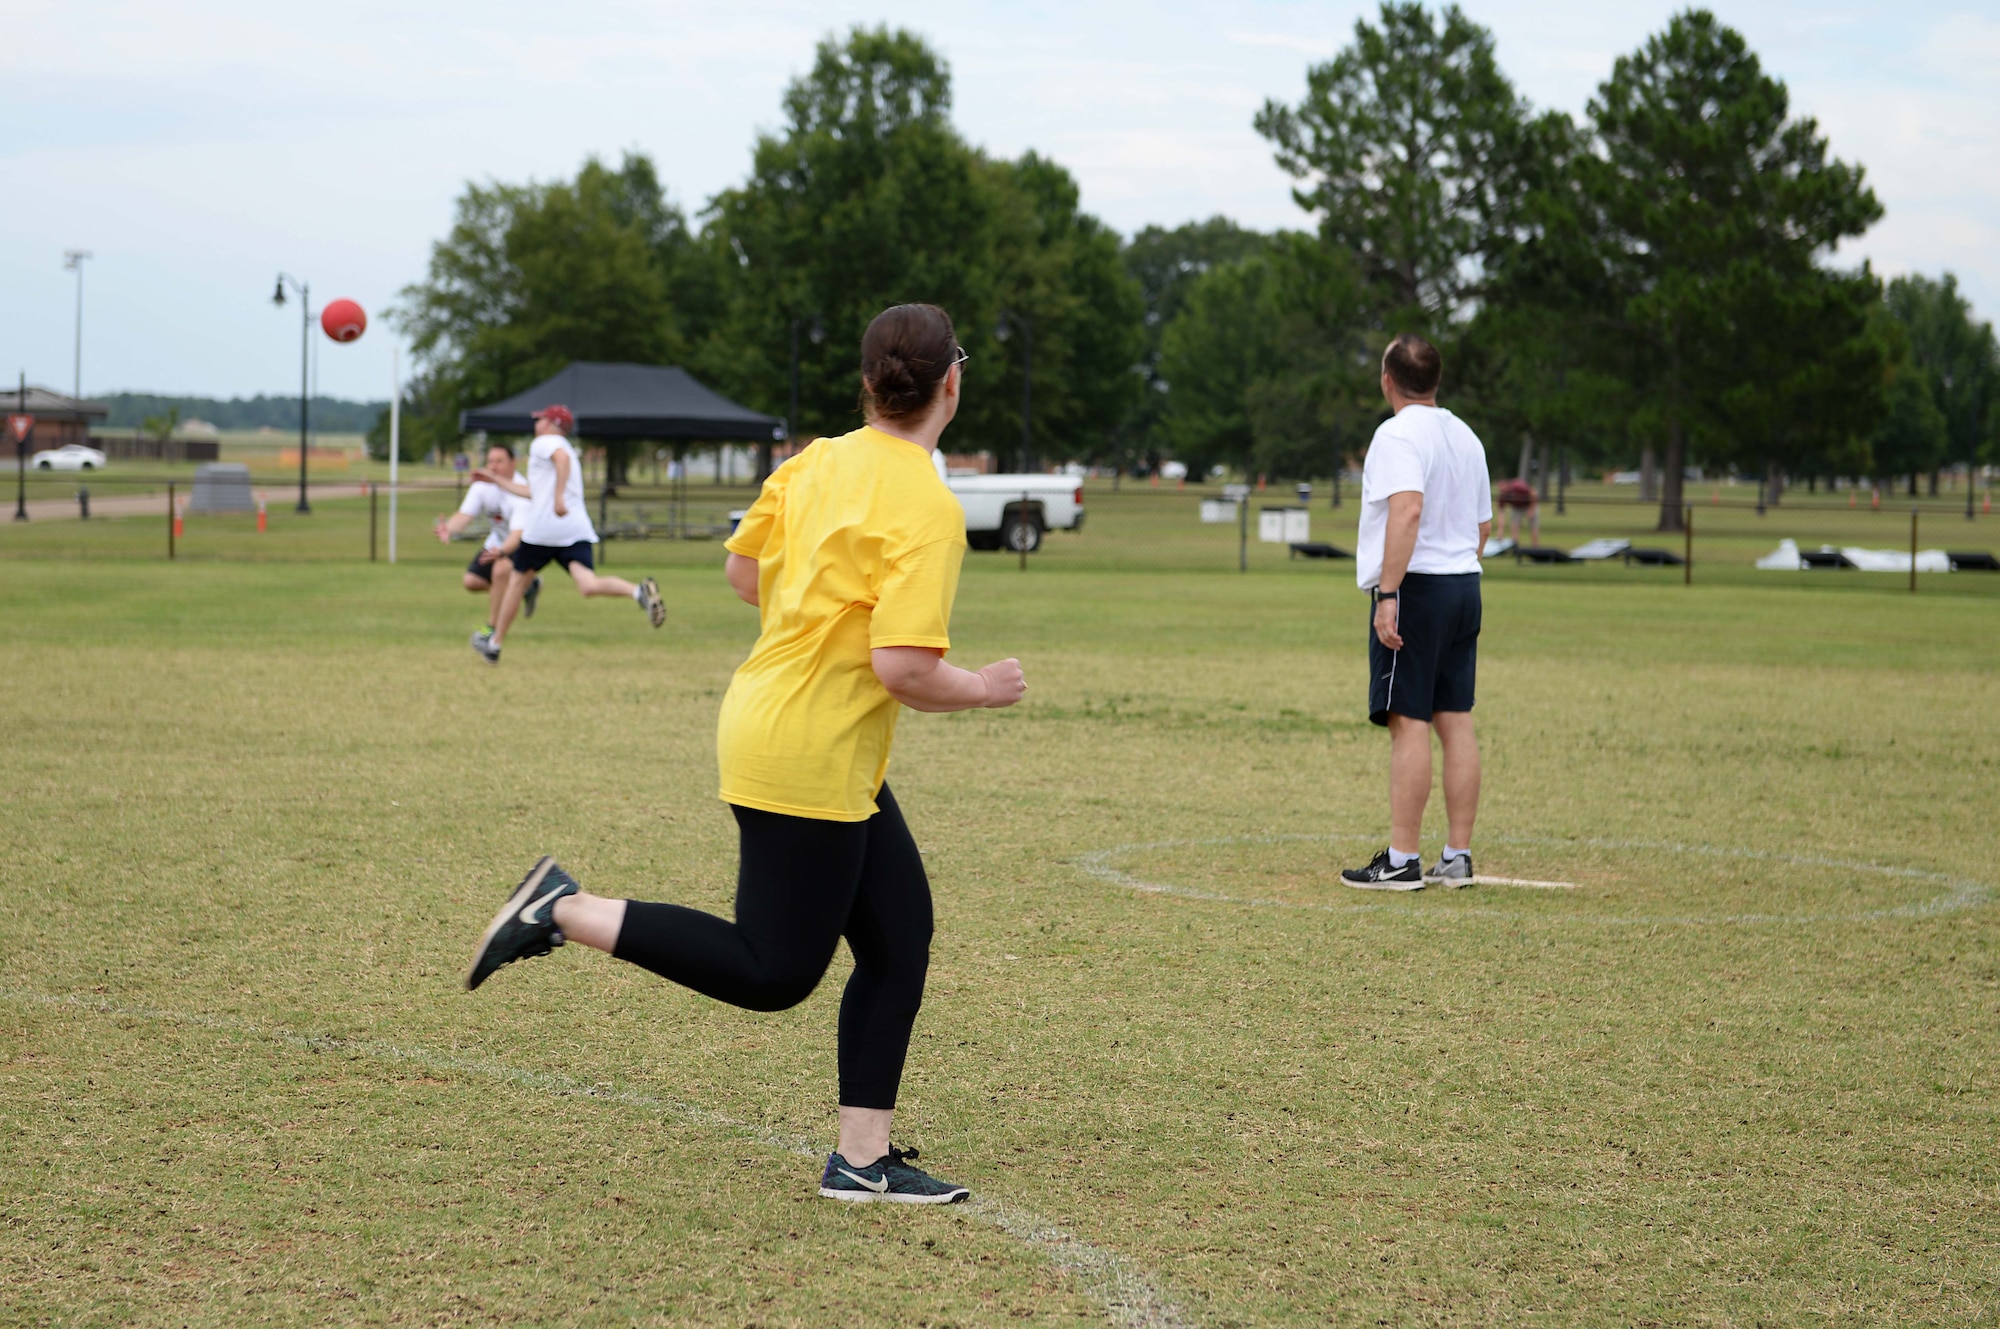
(1481, 879)
(1961, 893)
(1131, 1297)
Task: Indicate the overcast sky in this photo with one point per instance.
(200, 147)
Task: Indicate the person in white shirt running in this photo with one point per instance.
(491, 568)
(558, 530)
(1426, 510)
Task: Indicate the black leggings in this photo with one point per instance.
(802, 885)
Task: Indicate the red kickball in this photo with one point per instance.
(343, 320)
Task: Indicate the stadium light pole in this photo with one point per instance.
(1009, 321)
(73, 262)
(305, 361)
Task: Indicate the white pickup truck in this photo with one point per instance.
(1012, 511)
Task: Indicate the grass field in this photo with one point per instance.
(260, 803)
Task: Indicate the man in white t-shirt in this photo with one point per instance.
(1426, 509)
(506, 514)
(558, 530)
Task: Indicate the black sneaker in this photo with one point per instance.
(889, 1178)
(482, 642)
(1455, 872)
(650, 601)
(534, 594)
(1379, 876)
(526, 925)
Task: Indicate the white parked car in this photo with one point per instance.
(1012, 511)
(68, 457)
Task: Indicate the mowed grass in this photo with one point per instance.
(1744, 1073)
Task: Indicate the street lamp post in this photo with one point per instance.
(815, 328)
(305, 351)
(73, 262)
(1005, 328)
(1971, 458)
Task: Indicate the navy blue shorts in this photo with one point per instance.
(1438, 616)
(483, 571)
(533, 558)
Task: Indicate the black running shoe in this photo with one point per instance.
(1379, 876)
(526, 925)
(534, 594)
(482, 642)
(650, 601)
(889, 1178)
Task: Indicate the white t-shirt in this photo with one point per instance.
(506, 511)
(543, 526)
(1430, 451)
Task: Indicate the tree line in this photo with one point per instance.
(1655, 282)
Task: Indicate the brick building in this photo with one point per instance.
(58, 419)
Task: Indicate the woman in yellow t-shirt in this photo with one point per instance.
(851, 555)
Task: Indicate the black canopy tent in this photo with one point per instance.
(626, 401)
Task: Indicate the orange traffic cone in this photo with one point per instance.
(262, 516)
(180, 513)
(1875, 500)
(1852, 498)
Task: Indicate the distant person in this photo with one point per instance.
(1426, 510)
(1520, 501)
(557, 530)
(506, 512)
(852, 555)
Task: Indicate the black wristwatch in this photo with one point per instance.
(1381, 595)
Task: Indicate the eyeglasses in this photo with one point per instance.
(963, 356)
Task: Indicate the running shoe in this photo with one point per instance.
(889, 1178)
(526, 925)
(650, 601)
(534, 594)
(482, 642)
(1379, 876)
(1453, 872)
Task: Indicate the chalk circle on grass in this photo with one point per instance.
(1618, 882)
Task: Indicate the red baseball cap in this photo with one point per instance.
(559, 416)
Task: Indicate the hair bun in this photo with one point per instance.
(905, 355)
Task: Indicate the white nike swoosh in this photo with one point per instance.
(879, 1187)
(527, 914)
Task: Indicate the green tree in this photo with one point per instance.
(1706, 197)
(1956, 359)
(1407, 144)
(869, 197)
(1061, 270)
(1214, 355)
(534, 276)
(1165, 263)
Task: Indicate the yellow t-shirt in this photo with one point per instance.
(858, 545)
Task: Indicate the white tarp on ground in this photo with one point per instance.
(1785, 558)
(1495, 548)
(1597, 549)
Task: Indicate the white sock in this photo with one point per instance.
(1399, 859)
(1449, 852)
(639, 596)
